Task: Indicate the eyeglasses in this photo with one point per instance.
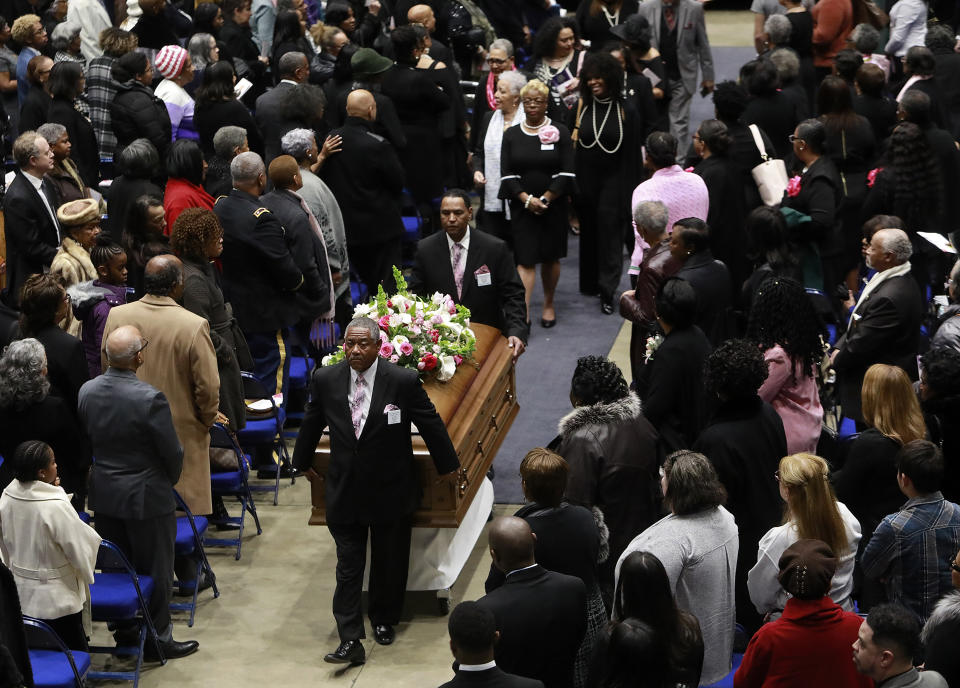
(953, 565)
(497, 60)
(776, 476)
(143, 344)
(793, 138)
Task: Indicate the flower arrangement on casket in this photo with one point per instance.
(431, 336)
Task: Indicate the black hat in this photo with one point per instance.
(806, 569)
(635, 29)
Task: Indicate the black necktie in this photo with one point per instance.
(52, 202)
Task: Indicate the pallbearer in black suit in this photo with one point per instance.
(473, 634)
(372, 485)
(473, 267)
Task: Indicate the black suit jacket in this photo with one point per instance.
(84, 152)
(259, 274)
(307, 249)
(367, 180)
(542, 618)
(500, 304)
(32, 237)
(269, 115)
(886, 331)
(491, 678)
(139, 457)
(710, 279)
(373, 478)
(66, 363)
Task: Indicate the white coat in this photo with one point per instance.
(49, 550)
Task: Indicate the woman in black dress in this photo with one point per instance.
(608, 169)
(419, 102)
(556, 62)
(217, 106)
(725, 217)
(851, 146)
(241, 49)
(289, 35)
(66, 84)
(596, 18)
(801, 40)
(536, 162)
(642, 60)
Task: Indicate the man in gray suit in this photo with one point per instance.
(680, 34)
(138, 462)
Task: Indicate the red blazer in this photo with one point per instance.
(810, 645)
(181, 194)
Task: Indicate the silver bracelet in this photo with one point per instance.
(527, 204)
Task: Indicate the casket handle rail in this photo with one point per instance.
(463, 481)
(493, 422)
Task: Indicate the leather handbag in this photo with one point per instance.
(770, 175)
(867, 12)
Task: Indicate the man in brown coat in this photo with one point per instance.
(182, 364)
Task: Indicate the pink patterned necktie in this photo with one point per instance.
(356, 407)
(458, 268)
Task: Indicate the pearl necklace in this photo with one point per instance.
(545, 122)
(612, 19)
(598, 131)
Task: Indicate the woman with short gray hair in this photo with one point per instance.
(500, 58)
(778, 28)
(65, 39)
(302, 145)
(495, 213)
(29, 412)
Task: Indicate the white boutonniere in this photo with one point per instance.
(653, 343)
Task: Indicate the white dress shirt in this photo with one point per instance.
(368, 377)
(477, 667)
(465, 242)
(37, 184)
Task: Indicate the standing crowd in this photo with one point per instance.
(225, 181)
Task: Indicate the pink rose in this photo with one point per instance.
(549, 134)
(384, 322)
(457, 359)
(793, 186)
(386, 350)
(406, 348)
(872, 176)
(394, 359)
(415, 329)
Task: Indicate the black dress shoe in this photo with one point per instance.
(547, 324)
(383, 634)
(606, 307)
(205, 582)
(349, 652)
(172, 649)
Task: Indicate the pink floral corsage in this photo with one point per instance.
(872, 176)
(549, 134)
(688, 169)
(793, 186)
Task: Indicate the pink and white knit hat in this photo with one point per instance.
(170, 61)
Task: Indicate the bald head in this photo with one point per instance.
(163, 276)
(360, 103)
(122, 347)
(511, 543)
(422, 14)
(285, 173)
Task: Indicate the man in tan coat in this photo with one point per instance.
(182, 364)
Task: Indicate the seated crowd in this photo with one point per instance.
(225, 181)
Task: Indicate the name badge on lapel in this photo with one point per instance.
(393, 414)
(484, 278)
(546, 146)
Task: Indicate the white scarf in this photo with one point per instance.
(491, 158)
(910, 82)
(876, 281)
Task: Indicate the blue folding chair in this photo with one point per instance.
(232, 484)
(727, 681)
(301, 367)
(54, 665)
(119, 594)
(265, 431)
(190, 532)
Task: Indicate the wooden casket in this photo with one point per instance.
(478, 405)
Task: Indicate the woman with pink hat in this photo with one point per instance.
(173, 63)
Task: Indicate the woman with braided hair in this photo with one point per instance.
(612, 452)
(786, 327)
(812, 513)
